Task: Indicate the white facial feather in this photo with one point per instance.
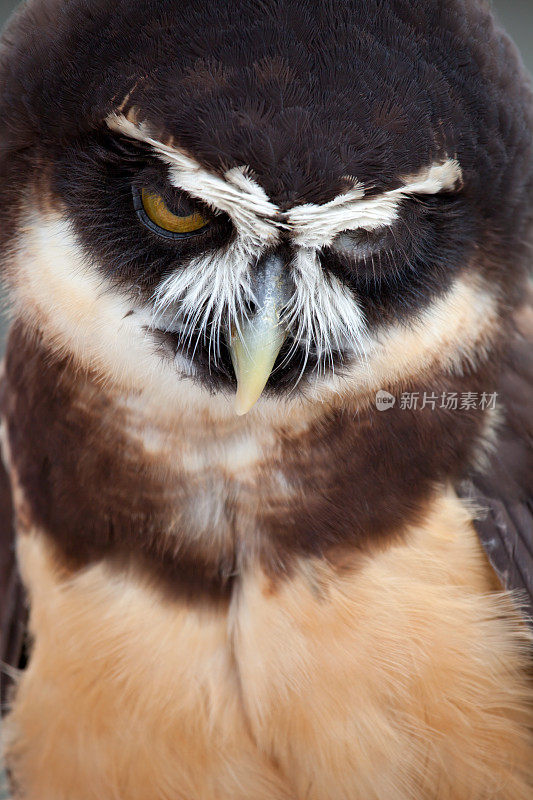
(322, 314)
(209, 293)
(200, 300)
(317, 226)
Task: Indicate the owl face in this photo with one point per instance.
(282, 200)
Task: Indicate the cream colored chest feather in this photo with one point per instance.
(147, 696)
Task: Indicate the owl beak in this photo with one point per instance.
(255, 342)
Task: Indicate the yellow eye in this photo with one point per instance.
(159, 213)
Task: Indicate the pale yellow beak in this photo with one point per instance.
(255, 342)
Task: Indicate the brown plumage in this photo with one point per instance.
(296, 602)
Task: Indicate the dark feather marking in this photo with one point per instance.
(354, 480)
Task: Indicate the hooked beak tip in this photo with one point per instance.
(253, 360)
(243, 405)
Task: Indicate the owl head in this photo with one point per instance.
(265, 200)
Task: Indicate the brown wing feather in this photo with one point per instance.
(505, 487)
(13, 615)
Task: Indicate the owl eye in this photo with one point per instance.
(363, 243)
(155, 214)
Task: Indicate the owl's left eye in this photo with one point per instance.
(180, 222)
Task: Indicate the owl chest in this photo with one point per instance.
(223, 612)
(329, 683)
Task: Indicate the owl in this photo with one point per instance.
(265, 404)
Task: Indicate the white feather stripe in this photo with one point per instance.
(323, 315)
(237, 194)
(313, 229)
(317, 225)
(201, 299)
(259, 220)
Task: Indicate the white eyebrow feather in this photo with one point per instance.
(438, 177)
(237, 194)
(317, 225)
(259, 220)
